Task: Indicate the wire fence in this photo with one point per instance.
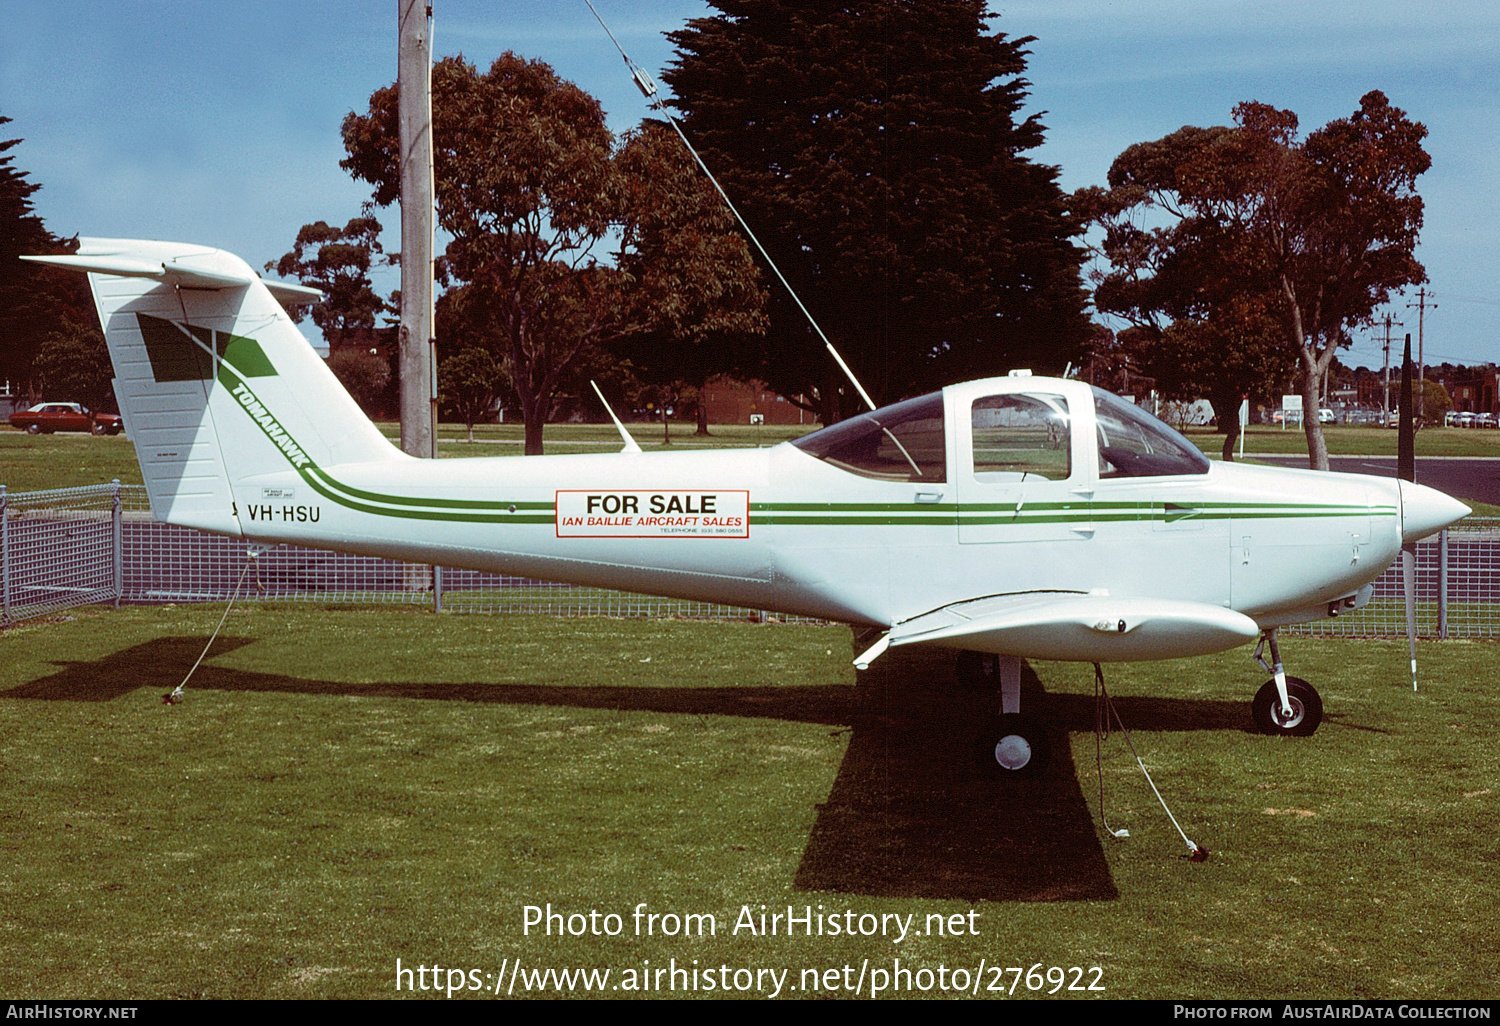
(99, 544)
(81, 546)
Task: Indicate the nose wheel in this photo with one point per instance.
(1284, 706)
(1271, 718)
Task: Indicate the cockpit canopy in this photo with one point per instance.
(1013, 433)
(902, 442)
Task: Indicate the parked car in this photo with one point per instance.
(45, 418)
(1326, 416)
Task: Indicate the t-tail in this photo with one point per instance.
(202, 351)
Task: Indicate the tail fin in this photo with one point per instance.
(202, 353)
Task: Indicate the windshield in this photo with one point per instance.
(903, 442)
(1132, 443)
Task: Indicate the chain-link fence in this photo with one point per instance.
(78, 546)
(59, 549)
(1458, 590)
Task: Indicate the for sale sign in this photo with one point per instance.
(641, 513)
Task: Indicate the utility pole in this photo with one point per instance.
(1385, 395)
(1421, 304)
(414, 109)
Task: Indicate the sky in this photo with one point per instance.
(218, 123)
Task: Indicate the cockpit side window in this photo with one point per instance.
(1132, 443)
(1018, 435)
(902, 442)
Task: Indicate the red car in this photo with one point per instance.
(50, 417)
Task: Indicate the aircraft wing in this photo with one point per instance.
(1074, 626)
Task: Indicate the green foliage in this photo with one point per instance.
(877, 150)
(1435, 401)
(1232, 229)
(363, 374)
(34, 300)
(697, 286)
(469, 382)
(524, 186)
(530, 186)
(337, 261)
(72, 362)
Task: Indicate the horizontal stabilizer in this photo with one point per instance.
(1078, 627)
(184, 272)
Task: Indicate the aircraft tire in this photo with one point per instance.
(1013, 750)
(1307, 709)
(978, 670)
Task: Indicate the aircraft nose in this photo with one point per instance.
(1426, 511)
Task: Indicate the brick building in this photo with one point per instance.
(731, 401)
(1475, 390)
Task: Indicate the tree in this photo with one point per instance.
(1234, 354)
(337, 261)
(1435, 401)
(1335, 220)
(682, 246)
(524, 186)
(529, 188)
(363, 374)
(1202, 323)
(72, 361)
(469, 382)
(877, 150)
(1271, 250)
(40, 305)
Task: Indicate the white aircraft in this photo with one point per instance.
(1008, 518)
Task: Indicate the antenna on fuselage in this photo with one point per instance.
(648, 89)
(631, 445)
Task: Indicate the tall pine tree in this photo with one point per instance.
(43, 311)
(877, 148)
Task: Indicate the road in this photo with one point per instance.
(1459, 476)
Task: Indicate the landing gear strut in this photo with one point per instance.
(1013, 748)
(1288, 706)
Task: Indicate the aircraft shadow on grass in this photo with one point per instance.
(907, 816)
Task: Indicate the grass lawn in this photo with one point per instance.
(343, 788)
(1353, 440)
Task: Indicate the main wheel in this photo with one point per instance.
(1014, 749)
(978, 669)
(1307, 709)
(33, 429)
